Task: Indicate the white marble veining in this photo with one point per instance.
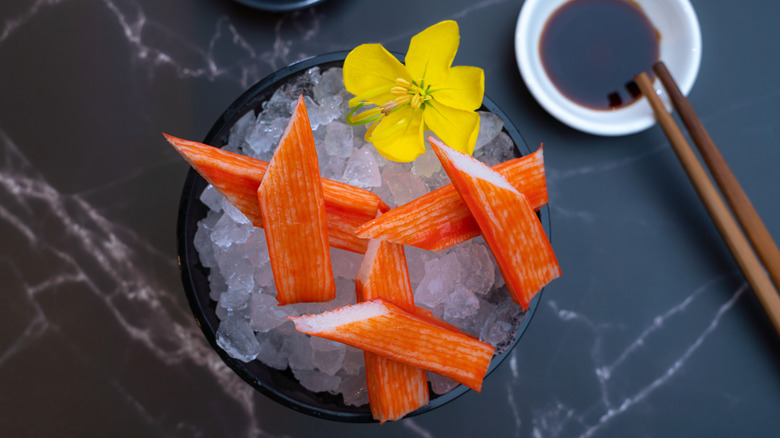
(108, 261)
(103, 258)
(547, 424)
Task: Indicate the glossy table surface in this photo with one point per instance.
(651, 331)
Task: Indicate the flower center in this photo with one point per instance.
(415, 93)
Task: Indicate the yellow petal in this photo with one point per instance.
(432, 51)
(399, 136)
(457, 128)
(371, 71)
(463, 89)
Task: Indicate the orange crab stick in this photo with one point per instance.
(294, 220)
(394, 389)
(237, 177)
(383, 274)
(383, 328)
(440, 219)
(507, 221)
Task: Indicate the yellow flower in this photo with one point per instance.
(426, 93)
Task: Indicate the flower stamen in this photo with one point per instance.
(399, 91)
(416, 100)
(388, 107)
(403, 83)
(403, 100)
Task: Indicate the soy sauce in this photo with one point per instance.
(591, 50)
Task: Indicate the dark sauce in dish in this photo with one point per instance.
(591, 50)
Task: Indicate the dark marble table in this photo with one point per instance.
(652, 331)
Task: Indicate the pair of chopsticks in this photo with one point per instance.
(757, 254)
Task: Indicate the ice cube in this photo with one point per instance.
(240, 275)
(234, 213)
(415, 263)
(212, 198)
(353, 389)
(202, 240)
(317, 381)
(440, 384)
(362, 169)
(404, 185)
(264, 277)
(490, 125)
(345, 294)
(460, 303)
(265, 312)
(499, 279)
(313, 110)
(327, 356)
(221, 234)
(217, 283)
(345, 263)
(256, 248)
(278, 105)
(263, 138)
(501, 149)
(333, 168)
(237, 339)
(440, 278)
(478, 270)
(500, 325)
(474, 323)
(271, 350)
(234, 299)
(496, 332)
(325, 345)
(331, 83)
(427, 164)
(220, 311)
(353, 360)
(239, 131)
(338, 140)
(331, 108)
(297, 348)
(227, 232)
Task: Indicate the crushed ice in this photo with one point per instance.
(460, 284)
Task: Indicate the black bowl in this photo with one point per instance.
(282, 385)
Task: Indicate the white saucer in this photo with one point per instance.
(680, 50)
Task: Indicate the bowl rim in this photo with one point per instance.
(192, 272)
(680, 47)
(278, 5)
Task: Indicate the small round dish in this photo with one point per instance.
(680, 49)
(281, 385)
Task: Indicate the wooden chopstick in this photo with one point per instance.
(725, 223)
(741, 206)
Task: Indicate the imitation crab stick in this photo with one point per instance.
(383, 274)
(237, 177)
(440, 219)
(507, 221)
(341, 230)
(383, 328)
(294, 220)
(394, 389)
